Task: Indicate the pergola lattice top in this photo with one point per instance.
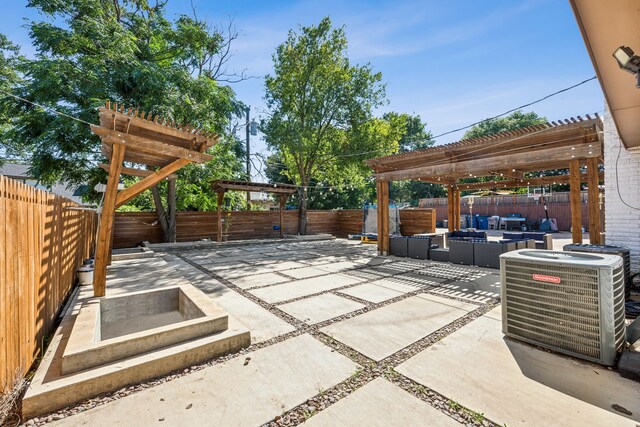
(129, 135)
(541, 147)
(230, 185)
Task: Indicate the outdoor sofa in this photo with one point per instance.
(543, 240)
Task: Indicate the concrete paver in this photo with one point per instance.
(305, 272)
(275, 379)
(481, 289)
(300, 288)
(386, 330)
(517, 384)
(380, 290)
(320, 308)
(263, 279)
(380, 403)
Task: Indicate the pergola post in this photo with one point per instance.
(450, 211)
(383, 217)
(220, 201)
(283, 202)
(171, 209)
(593, 201)
(574, 198)
(456, 206)
(106, 221)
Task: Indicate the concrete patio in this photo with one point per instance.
(340, 336)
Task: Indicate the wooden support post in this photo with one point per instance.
(283, 202)
(456, 207)
(593, 201)
(171, 210)
(450, 215)
(383, 206)
(379, 214)
(383, 217)
(106, 221)
(220, 201)
(574, 198)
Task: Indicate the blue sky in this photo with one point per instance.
(453, 62)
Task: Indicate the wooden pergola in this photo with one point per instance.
(505, 157)
(221, 186)
(163, 146)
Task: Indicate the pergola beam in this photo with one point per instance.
(149, 146)
(130, 192)
(133, 171)
(480, 167)
(532, 182)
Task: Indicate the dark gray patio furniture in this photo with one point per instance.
(419, 247)
(461, 252)
(398, 246)
(543, 240)
(487, 254)
(439, 254)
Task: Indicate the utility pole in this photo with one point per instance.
(248, 130)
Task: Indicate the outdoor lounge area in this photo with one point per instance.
(340, 334)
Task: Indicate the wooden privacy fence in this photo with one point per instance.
(558, 206)
(43, 240)
(132, 228)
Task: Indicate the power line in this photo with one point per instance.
(432, 138)
(518, 108)
(47, 108)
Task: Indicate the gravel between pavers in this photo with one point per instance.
(368, 370)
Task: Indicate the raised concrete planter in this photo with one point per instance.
(113, 328)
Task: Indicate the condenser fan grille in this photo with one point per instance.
(564, 315)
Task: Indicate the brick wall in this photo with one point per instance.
(621, 179)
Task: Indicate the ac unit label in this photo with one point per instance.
(545, 278)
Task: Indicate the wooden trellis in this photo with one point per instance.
(129, 135)
(283, 191)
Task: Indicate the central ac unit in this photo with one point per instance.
(569, 302)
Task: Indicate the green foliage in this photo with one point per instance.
(320, 124)
(9, 78)
(414, 136)
(127, 51)
(515, 120)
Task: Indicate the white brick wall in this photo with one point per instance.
(622, 222)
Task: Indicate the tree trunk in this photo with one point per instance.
(171, 211)
(302, 220)
(162, 215)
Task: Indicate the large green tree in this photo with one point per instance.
(513, 121)
(320, 123)
(127, 51)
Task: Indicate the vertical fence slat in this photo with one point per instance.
(41, 245)
(3, 281)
